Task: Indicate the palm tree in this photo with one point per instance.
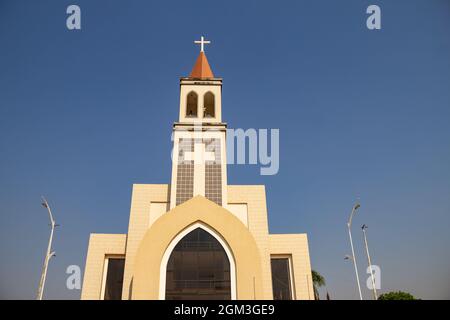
(318, 281)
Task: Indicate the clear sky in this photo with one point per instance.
(85, 114)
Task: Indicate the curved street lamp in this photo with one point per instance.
(375, 296)
(353, 257)
(50, 253)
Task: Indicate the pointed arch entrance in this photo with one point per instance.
(198, 264)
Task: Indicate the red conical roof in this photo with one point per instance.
(201, 69)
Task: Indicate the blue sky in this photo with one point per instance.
(361, 114)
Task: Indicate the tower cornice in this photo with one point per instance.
(201, 82)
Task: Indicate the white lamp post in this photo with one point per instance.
(49, 253)
(349, 225)
(375, 296)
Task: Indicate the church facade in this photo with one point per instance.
(198, 237)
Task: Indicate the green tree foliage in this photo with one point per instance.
(318, 281)
(396, 295)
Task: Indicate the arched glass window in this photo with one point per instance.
(191, 104)
(198, 268)
(208, 105)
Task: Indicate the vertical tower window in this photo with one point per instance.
(191, 104)
(185, 172)
(281, 279)
(208, 105)
(213, 172)
(114, 278)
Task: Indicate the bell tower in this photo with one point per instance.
(199, 137)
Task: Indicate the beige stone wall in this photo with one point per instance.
(100, 246)
(140, 217)
(147, 276)
(255, 198)
(293, 245)
(296, 247)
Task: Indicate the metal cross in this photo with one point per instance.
(202, 43)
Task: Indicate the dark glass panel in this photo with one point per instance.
(281, 279)
(198, 268)
(114, 279)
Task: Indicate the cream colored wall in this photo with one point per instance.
(147, 208)
(157, 209)
(100, 246)
(140, 218)
(240, 210)
(295, 246)
(255, 198)
(146, 277)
